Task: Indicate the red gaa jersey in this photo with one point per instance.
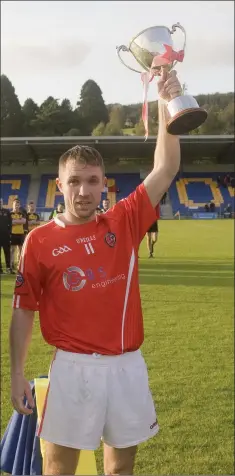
(83, 279)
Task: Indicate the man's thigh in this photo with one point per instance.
(130, 417)
(119, 460)
(75, 406)
(59, 459)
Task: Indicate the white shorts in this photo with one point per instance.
(92, 397)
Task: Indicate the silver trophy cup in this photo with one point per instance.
(153, 49)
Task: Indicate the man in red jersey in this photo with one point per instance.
(80, 271)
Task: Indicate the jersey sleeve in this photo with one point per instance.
(28, 288)
(140, 212)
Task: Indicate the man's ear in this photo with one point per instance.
(59, 184)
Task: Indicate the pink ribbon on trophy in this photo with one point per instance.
(168, 57)
(146, 78)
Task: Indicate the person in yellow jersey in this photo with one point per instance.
(33, 219)
(59, 209)
(17, 231)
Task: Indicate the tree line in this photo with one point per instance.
(91, 116)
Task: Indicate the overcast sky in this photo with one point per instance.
(52, 48)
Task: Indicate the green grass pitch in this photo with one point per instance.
(187, 299)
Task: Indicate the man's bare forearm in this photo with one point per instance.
(166, 160)
(167, 152)
(20, 337)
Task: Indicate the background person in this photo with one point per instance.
(106, 204)
(5, 237)
(228, 211)
(33, 219)
(17, 232)
(59, 209)
(152, 233)
(212, 207)
(99, 211)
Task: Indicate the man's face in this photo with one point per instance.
(31, 208)
(106, 204)
(82, 187)
(16, 206)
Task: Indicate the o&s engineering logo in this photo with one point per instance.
(74, 278)
(107, 282)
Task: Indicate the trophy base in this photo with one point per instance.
(186, 121)
(186, 115)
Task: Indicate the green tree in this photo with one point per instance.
(153, 111)
(226, 117)
(117, 116)
(91, 107)
(133, 112)
(78, 122)
(47, 117)
(54, 119)
(11, 113)
(30, 111)
(99, 130)
(65, 117)
(212, 124)
(140, 129)
(73, 132)
(112, 130)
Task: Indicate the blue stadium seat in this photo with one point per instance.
(15, 186)
(197, 189)
(49, 195)
(126, 183)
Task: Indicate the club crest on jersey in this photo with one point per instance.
(110, 239)
(19, 280)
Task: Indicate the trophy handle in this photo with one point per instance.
(124, 48)
(178, 25)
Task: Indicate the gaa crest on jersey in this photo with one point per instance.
(110, 239)
(19, 280)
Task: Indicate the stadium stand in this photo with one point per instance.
(127, 160)
(190, 192)
(118, 187)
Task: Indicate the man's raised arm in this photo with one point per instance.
(167, 152)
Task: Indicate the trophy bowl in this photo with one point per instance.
(153, 49)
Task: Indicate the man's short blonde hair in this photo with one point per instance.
(84, 155)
